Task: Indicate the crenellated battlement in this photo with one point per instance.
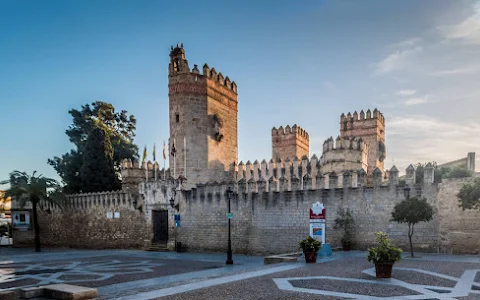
(290, 130)
(363, 116)
(305, 174)
(133, 173)
(290, 142)
(344, 154)
(339, 143)
(218, 78)
(370, 126)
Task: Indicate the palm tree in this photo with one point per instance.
(34, 189)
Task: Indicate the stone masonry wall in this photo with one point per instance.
(274, 222)
(459, 230)
(83, 223)
(268, 217)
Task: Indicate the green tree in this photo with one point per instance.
(97, 170)
(456, 172)
(120, 128)
(412, 211)
(345, 221)
(420, 169)
(34, 189)
(469, 195)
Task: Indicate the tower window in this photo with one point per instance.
(176, 67)
(177, 117)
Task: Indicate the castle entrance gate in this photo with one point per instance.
(160, 225)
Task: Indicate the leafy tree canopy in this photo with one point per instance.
(469, 195)
(97, 170)
(412, 211)
(441, 172)
(120, 129)
(35, 190)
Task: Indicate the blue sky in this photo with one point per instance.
(294, 62)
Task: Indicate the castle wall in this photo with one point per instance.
(274, 222)
(267, 218)
(289, 143)
(458, 230)
(83, 223)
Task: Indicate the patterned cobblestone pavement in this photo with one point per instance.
(140, 275)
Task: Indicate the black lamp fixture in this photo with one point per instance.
(135, 203)
(406, 192)
(229, 249)
(172, 204)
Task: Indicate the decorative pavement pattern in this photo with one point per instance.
(139, 275)
(464, 286)
(75, 271)
(94, 271)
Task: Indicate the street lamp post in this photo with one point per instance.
(229, 250)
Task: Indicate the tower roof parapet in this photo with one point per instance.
(362, 116)
(295, 129)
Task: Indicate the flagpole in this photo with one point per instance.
(174, 159)
(164, 157)
(185, 155)
(155, 161)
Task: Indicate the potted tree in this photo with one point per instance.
(345, 221)
(310, 247)
(384, 255)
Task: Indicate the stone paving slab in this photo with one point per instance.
(350, 278)
(95, 271)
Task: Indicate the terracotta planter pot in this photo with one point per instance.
(346, 247)
(310, 257)
(383, 270)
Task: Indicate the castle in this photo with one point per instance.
(270, 200)
(203, 139)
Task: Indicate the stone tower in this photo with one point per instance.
(371, 128)
(203, 113)
(289, 142)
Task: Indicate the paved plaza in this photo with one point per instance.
(126, 274)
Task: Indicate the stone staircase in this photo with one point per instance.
(159, 247)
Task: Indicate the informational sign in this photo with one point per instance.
(317, 231)
(109, 215)
(116, 215)
(177, 217)
(229, 215)
(317, 221)
(21, 220)
(317, 211)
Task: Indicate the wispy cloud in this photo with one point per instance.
(467, 31)
(417, 100)
(457, 71)
(418, 138)
(398, 59)
(405, 92)
(330, 86)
